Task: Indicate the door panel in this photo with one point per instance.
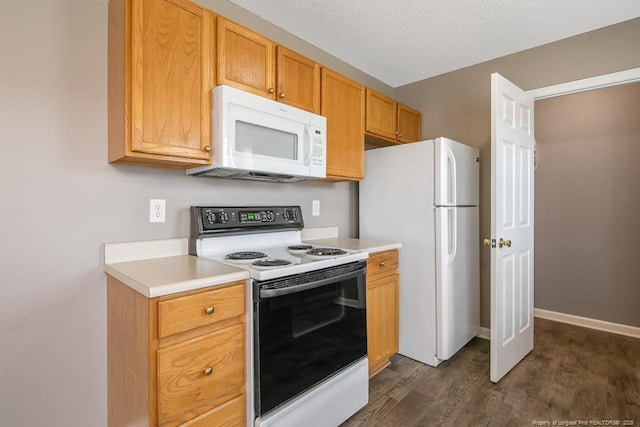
(512, 192)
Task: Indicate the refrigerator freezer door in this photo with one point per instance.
(457, 174)
(457, 278)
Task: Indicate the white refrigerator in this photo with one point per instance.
(425, 195)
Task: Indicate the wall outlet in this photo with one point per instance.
(315, 208)
(157, 210)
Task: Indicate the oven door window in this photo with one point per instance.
(305, 337)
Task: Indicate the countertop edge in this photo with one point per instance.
(195, 284)
(362, 245)
(154, 289)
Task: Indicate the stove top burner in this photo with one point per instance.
(271, 262)
(245, 255)
(299, 247)
(326, 252)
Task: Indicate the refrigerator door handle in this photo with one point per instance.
(451, 178)
(452, 232)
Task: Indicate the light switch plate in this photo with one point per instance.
(315, 208)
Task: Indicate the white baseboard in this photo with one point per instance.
(585, 322)
(484, 333)
(600, 325)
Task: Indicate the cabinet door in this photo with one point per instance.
(409, 124)
(382, 321)
(381, 115)
(230, 414)
(342, 103)
(246, 60)
(298, 80)
(172, 82)
(197, 375)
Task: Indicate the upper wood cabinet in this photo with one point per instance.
(298, 80)
(381, 115)
(160, 82)
(246, 60)
(390, 121)
(342, 102)
(253, 63)
(409, 124)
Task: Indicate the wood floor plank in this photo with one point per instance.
(573, 374)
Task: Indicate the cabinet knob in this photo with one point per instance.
(208, 370)
(209, 309)
(207, 148)
(271, 90)
(400, 134)
(381, 263)
(281, 95)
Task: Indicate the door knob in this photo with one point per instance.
(489, 242)
(506, 243)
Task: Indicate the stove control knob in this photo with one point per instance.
(224, 217)
(285, 214)
(211, 217)
(271, 216)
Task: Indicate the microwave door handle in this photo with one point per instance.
(308, 145)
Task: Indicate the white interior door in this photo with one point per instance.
(512, 144)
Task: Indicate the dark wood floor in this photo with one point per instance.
(573, 374)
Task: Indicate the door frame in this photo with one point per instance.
(583, 85)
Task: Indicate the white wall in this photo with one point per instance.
(60, 201)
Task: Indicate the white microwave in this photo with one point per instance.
(261, 139)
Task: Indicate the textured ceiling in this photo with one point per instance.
(403, 41)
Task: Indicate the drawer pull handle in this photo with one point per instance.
(209, 309)
(208, 370)
(381, 264)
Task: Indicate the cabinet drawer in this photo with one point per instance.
(192, 311)
(200, 374)
(381, 262)
(230, 414)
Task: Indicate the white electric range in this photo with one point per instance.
(308, 327)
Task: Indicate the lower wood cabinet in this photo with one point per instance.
(382, 309)
(176, 360)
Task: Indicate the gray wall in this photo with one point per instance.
(458, 104)
(587, 231)
(61, 200)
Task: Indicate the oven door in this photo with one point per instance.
(308, 327)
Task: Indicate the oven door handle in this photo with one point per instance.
(272, 293)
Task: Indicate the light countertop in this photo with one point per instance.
(168, 275)
(163, 267)
(361, 245)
